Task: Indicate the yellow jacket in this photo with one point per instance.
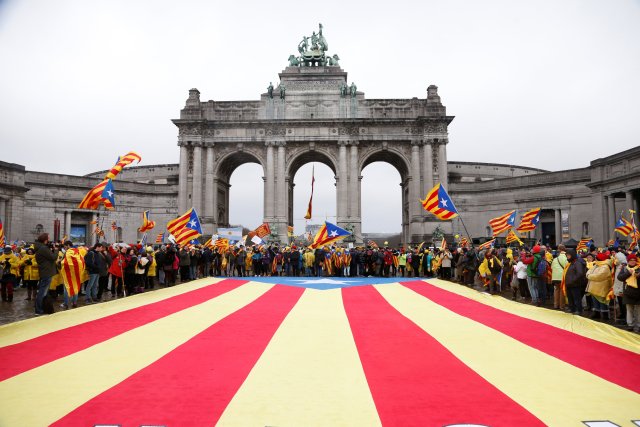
(31, 271)
(151, 272)
(14, 262)
(600, 279)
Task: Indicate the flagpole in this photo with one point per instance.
(465, 230)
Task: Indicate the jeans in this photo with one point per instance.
(43, 288)
(74, 299)
(533, 288)
(193, 272)
(91, 291)
(574, 297)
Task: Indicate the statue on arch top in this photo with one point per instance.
(312, 52)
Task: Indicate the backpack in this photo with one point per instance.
(541, 270)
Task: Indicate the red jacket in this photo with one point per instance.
(118, 265)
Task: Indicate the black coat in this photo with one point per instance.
(576, 276)
(46, 259)
(630, 295)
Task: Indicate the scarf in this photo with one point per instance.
(632, 280)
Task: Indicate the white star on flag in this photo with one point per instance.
(334, 233)
(110, 193)
(443, 202)
(193, 223)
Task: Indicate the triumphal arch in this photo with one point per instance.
(314, 114)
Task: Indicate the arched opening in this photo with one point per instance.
(239, 191)
(585, 229)
(381, 196)
(246, 196)
(324, 197)
(301, 169)
(384, 197)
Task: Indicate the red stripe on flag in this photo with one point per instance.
(52, 346)
(581, 352)
(193, 384)
(415, 380)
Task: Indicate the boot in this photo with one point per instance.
(605, 316)
(595, 315)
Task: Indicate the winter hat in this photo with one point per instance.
(632, 256)
(536, 249)
(602, 256)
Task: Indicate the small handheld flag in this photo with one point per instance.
(186, 227)
(512, 237)
(487, 245)
(2, 243)
(439, 203)
(146, 223)
(160, 238)
(623, 226)
(584, 243)
(101, 193)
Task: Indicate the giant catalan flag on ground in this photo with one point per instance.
(301, 352)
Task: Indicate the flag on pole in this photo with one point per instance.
(222, 244)
(101, 193)
(623, 226)
(262, 231)
(512, 237)
(463, 242)
(439, 203)
(160, 238)
(584, 243)
(2, 243)
(143, 241)
(487, 245)
(530, 220)
(328, 234)
(635, 234)
(146, 223)
(123, 161)
(310, 206)
(372, 244)
(186, 227)
(502, 223)
(443, 244)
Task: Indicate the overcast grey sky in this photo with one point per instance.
(548, 84)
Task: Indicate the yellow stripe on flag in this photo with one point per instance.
(61, 386)
(576, 324)
(571, 394)
(14, 333)
(310, 374)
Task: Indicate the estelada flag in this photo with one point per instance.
(487, 244)
(2, 243)
(146, 223)
(160, 238)
(374, 343)
(263, 230)
(328, 234)
(73, 270)
(310, 206)
(439, 203)
(584, 243)
(623, 226)
(186, 227)
(503, 222)
(530, 220)
(101, 193)
(443, 244)
(123, 161)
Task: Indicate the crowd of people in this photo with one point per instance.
(602, 281)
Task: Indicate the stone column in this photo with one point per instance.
(3, 213)
(67, 224)
(612, 218)
(629, 202)
(196, 197)
(442, 165)
(270, 184)
(415, 220)
(342, 190)
(214, 204)
(281, 191)
(558, 224)
(428, 168)
(354, 190)
(209, 207)
(182, 177)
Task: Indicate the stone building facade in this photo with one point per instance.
(314, 115)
